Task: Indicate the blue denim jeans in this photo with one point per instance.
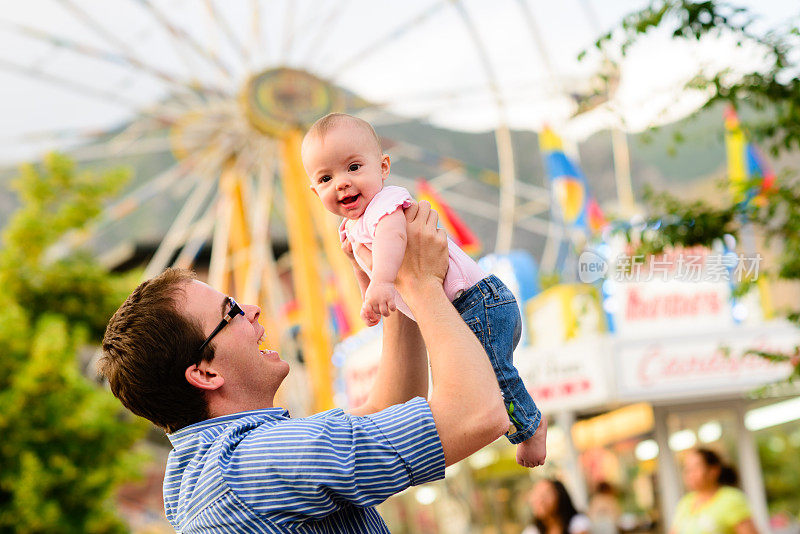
(490, 310)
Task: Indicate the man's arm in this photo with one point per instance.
(403, 368)
(465, 400)
(361, 277)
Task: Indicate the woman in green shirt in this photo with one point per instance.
(713, 505)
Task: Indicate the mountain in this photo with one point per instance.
(682, 157)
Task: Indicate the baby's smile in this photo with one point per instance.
(349, 201)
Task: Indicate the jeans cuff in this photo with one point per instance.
(519, 435)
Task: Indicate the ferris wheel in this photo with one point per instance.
(227, 88)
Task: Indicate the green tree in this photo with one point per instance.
(774, 89)
(66, 441)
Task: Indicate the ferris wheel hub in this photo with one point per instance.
(279, 100)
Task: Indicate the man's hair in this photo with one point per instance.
(147, 347)
(330, 121)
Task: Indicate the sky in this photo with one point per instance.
(430, 68)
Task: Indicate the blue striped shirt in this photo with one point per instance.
(261, 471)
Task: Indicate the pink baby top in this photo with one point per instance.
(462, 273)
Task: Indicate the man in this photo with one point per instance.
(186, 357)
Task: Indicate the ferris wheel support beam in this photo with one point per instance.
(348, 286)
(505, 150)
(262, 280)
(307, 282)
(233, 186)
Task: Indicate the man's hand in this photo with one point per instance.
(379, 299)
(465, 401)
(426, 249)
(347, 248)
(363, 253)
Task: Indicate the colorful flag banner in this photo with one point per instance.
(457, 230)
(746, 165)
(568, 184)
(597, 219)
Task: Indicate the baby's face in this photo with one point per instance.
(346, 169)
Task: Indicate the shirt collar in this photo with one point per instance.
(216, 425)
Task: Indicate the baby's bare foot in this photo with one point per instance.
(532, 451)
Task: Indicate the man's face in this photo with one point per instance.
(346, 169)
(251, 375)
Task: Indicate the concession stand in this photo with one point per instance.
(631, 372)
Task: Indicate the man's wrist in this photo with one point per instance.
(421, 291)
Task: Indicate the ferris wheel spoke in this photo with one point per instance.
(393, 35)
(123, 207)
(536, 35)
(533, 192)
(534, 225)
(178, 233)
(79, 88)
(199, 234)
(221, 23)
(102, 150)
(108, 57)
(133, 134)
(404, 149)
(95, 26)
(179, 33)
(288, 30)
(76, 135)
(462, 97)
(483, 56)
(324, 31)
(505, 150)
(146, 191)
(258, 46)
(531, 208)
(218, 265)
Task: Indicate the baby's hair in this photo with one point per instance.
(330, 121)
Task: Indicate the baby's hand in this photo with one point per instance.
(378, 300)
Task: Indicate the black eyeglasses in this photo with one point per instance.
(233, 312)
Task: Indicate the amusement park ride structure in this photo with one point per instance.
(237, 146)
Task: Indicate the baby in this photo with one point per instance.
(344, 160)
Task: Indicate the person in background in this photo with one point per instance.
(604, 510)
(713, 505)
(553, 511)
